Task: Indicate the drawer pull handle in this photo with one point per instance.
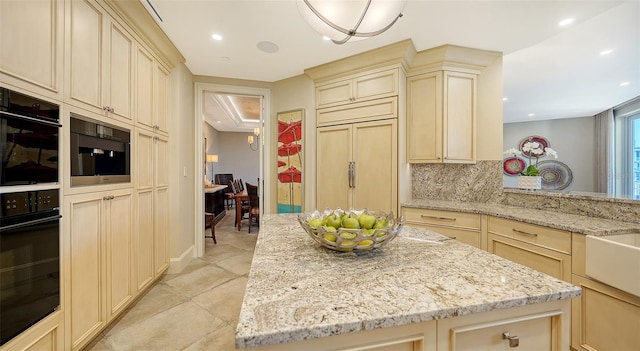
(533, 235)
(440, 218)
(514, 341)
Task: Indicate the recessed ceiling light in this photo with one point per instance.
(531, 114)
(505, 98)
(624, 84)
(326, 38)
(217, 37)
(218, 121)
(225, 58)
(606, 52)
(565, 22)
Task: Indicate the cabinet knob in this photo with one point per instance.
(514, 341)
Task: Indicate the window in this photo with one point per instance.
(628, 154)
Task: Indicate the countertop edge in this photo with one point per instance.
(532, 216)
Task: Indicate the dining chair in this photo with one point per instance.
(254, 204)
(226, 179)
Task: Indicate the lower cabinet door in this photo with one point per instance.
(143, 240)
(553, 263)
(161, 231)
(46, 335)
(604, 318)
(118, 245)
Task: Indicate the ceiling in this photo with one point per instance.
(549, 71)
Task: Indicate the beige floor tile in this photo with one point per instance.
(225, 300)
(220, 252)
(238, 264)
(159, 298)
(222, 339)
(200, 280)
(173, 329)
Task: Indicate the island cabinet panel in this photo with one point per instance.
(98, 252)
(367, 85)
(98, 62)
(441, 117)
(545, 329)
(357, 166)
(464, 227)
(544, 249)
(31, 37)
(46, 335)
(603, 318)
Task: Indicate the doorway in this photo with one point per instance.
(207, 91)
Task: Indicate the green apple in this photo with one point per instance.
(368, 232)
(366, 221)
(315, 223)
(351, 223)
(347, 235)
(381, 224)
(366, 243)
(330, 237)
(333, 221)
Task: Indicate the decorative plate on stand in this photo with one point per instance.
(513, 165)
(555, 175)
(543, 142)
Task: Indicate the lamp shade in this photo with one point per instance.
(344, 20)
(212, 158)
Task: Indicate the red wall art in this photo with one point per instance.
(290, 161)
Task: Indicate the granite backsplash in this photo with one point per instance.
(482, 182)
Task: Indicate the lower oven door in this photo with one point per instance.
(29, 274)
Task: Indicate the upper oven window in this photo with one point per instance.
(28, 140)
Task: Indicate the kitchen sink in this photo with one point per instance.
(615, 260)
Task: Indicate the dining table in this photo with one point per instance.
(239, 198)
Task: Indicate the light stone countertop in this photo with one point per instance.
(298, 290)
(553, 219)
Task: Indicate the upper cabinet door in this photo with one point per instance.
(163, 93)
(119, 72)
(98, 62)
(144, 87)
(84, 53)
(368, 85)
(31, 37)
(424, 118)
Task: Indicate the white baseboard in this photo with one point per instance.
(176, 265)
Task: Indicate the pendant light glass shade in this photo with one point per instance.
(350, 20)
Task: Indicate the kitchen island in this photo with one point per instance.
(422, 291)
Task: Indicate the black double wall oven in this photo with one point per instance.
(29, 216)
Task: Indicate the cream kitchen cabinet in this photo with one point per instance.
(98, 61)
(544, 249)
(46, 335)
(356, 166)
(441, 117)
(151, 235)
(603, 318)
(152, 89)
(462, 226)
(533, 327)
(98, 262)
(367, 85)
(31, 37)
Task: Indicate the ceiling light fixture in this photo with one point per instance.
(531, 114)
(606, 52)
(217, 37)
(565, 22)
(505, 98)
(352, 20)
(624, 84)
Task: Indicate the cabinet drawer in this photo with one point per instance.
(359, 112)
(469, 237)
(442, 218)
(559, 240)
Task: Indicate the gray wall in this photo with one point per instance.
(572, 138)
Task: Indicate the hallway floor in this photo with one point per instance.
(196, 309)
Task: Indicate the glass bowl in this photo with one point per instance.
(352, 230)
